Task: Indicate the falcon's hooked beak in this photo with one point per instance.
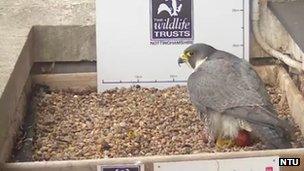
(182, 59)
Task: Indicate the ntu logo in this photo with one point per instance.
(289, 161)
(171, 21)
(172, 9)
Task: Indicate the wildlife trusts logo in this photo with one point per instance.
(171, 21)
(173, 10)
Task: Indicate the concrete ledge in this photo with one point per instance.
(17, 18)
(10, 113)
(64, 43)
(45, 42)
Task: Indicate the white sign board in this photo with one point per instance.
(243, 164)
(139, 41)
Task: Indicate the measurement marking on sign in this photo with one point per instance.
(243, 19)
(138, 76)
(238, 45)
(144, 82)
(237, 10)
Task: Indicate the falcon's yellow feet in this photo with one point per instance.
(224, 143)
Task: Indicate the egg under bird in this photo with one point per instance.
(232, 100)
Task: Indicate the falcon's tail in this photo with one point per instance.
(265, 124)
(277, 135)
(273, 137)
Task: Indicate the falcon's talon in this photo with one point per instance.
(224, 143)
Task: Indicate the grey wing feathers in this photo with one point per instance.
(220, 85)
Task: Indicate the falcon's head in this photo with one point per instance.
(196, 54)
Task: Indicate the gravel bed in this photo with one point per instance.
(125, 122)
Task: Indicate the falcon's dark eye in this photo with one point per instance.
(189, 54)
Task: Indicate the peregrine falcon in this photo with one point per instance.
(231, 98)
